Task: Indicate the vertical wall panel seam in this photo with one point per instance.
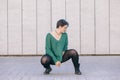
(65, 9)
(94, 26)
(51, 14)
(80, 23)
(109, 27)
(22, 26)
(36, 29)
(7, 32)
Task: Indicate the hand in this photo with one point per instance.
(58, 63)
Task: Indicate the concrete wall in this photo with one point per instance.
(94, 25)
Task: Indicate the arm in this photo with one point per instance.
(48, 48)
(66, 43)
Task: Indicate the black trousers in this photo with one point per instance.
(47, 60)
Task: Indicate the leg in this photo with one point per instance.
(46, 60)
(72, 54)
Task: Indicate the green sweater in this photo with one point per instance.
(55, 48)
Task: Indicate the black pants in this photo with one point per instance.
(47, 60)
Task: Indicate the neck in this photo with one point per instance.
(58, 31)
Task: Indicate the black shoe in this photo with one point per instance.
(77, 70)
(47, 71)
(78, 73)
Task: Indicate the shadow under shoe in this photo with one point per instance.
(47, 71)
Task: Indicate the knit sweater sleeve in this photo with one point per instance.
(48, 48)
(66, 43)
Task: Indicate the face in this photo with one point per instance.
(63, 28)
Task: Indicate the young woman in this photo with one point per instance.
(56, 49)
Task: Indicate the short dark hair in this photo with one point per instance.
(61, 23)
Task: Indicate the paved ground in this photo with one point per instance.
(29, 68)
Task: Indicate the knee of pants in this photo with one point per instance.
(45, 60)
(74, 52)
